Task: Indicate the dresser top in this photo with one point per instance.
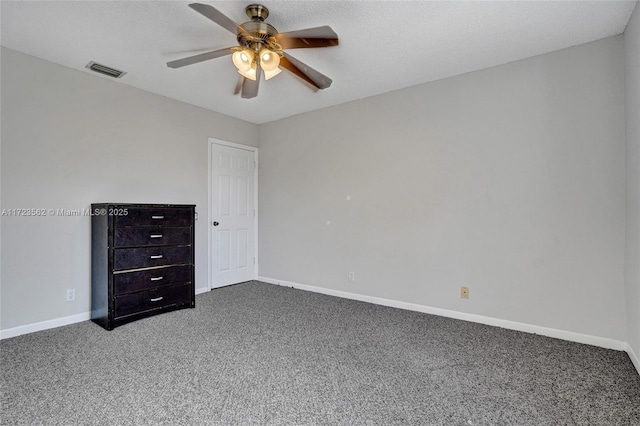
(143, 205)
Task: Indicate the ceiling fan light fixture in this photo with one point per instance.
(243, 59)
(269, 60)
(272, 73)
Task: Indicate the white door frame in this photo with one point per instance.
(253, 149)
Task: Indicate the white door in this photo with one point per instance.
(232, 214)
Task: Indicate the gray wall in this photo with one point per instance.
(632, 264)
(70, 139)
(509, 180)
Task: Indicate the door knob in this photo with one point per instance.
(215, 224)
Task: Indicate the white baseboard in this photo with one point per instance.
(511, 325)
(57, 322)
(44, 325)
(634, 358)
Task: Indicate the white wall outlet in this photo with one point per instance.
(351, 276)
(464, 292)
(71, 294)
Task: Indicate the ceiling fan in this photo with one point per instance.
(261, 48)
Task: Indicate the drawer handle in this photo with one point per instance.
(157, 299)
(157, 217)
(156, 256)
(155, 278)
(155, 236)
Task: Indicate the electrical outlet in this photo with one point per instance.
(464, 292)
(351, 276)
(71, 294)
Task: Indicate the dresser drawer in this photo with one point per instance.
(155, 216)
(128, 282)
(135, 303)
(131, 237)
(132, 258)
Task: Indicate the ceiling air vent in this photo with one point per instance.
(103, 69)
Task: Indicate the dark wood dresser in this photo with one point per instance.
(142, 261)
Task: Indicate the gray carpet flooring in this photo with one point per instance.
(255, 353)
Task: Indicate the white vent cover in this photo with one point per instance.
(103, 69)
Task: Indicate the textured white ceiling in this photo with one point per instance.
(384, 45)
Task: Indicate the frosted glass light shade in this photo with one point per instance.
(272, 73)
(269, 60)
(250, 73)
(242, 59)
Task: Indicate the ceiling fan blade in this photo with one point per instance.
(239, 85)
(298, 68)
(199, 58)
(250, 87)
(311, 37)
(216, 16)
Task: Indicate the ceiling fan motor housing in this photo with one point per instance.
(253, 32)
(256, 33)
